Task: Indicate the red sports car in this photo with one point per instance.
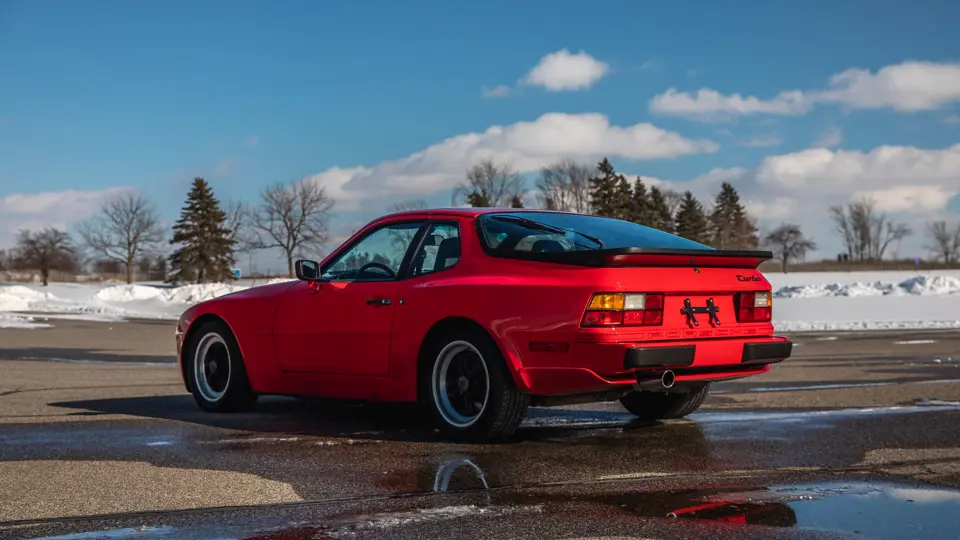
(478, 313)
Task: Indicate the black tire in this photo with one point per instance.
(504, 405)
(663, 405)
(235, 393)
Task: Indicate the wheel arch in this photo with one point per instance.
(192, 332)
(459, 323)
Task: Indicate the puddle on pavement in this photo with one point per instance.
(876, 510)
(873, 510)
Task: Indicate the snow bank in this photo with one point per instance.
(18, 321)
(102, 302)
(128, 293)
(917, 285)
(931, 285)
(194, 294)
(18, 297)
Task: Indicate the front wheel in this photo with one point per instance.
(467, 390)
(218, 378)
(664, 405)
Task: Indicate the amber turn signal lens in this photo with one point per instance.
(606, 302)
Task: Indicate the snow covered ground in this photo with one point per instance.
(813, 301)
(106, 302)
(803, 301)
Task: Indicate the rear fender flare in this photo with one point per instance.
(510, 353)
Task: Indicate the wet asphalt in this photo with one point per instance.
(857, 436)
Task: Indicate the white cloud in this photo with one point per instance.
(651, 65)
(823, 172)
(704, 187)
(832, 137)
(563, 71)
(952, 119)
(764, 141)
(710, 105)
(500, 91)
(525, 146)
(905, 87)
(772, 209)
(912, 185)
(914, 198)
(223, 167)
(49, 209)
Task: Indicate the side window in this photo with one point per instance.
(440, 250)
(378, 256)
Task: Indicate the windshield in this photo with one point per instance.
(540, 232)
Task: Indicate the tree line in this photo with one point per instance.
(127, 233)
(574, 187)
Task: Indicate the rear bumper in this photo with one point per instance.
(597, 367)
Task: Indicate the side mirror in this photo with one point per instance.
(307, 270)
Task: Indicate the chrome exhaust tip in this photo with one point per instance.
(667, 379)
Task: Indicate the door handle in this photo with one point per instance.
(379, 301)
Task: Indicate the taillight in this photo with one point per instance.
(619, 309)
(754, 307)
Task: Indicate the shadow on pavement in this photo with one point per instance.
(338, 418)
(277, 415)
(79, 355)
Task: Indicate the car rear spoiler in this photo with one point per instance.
(661, 257)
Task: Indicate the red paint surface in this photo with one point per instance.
(327, 341)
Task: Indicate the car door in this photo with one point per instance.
(342, 324)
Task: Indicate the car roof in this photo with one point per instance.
(462, 212)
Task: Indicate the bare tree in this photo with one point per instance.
(489, 185)
(788, 243)
(892, 232)
(565, 186)
(944, 241)
(47, 250)
(865, 233)
(293, 218)
(674, 199)
(838, 214)
(126, 227)
(239, 222)
(405, 206)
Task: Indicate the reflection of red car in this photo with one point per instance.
(478, 312)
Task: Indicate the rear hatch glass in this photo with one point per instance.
(546, 232)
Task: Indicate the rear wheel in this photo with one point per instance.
(218, 378)
(664, 405)
(465, 386)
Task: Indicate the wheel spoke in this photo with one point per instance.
(467, 404)
(460, 384)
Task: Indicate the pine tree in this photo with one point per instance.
(692, 223)
(660, 216)
(623, 199)
(640, 209)
(206, 243)
(732, 227)
(603, 190)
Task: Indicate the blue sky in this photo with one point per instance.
(98, 95)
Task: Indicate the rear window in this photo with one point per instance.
(545, 232)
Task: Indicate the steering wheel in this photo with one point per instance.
(378, 266)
